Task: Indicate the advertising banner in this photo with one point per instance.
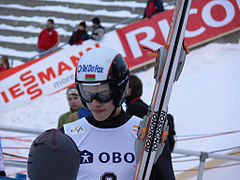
(208, 19)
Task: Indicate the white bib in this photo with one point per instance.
(106, 153)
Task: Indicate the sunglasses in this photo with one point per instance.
(99, 92)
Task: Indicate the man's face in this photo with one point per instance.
(94, 24)
(80, 27)
(49, 24)
(74, 101)
(100, 110)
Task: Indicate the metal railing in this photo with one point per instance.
(20, 129)
(203, 156)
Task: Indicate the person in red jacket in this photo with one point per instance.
(48, 38)
(4, 64)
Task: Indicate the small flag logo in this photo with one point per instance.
(90, 77)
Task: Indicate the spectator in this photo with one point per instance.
(80, 35)
(98, 30)
(4, 64)
(53, 156)
(135, 106)
(48, 38)
(75, 104)
(153, 7)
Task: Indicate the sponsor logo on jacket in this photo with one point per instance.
(87, 157)
(77, 130)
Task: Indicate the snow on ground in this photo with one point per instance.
(33, 29)
(11, 52)
(132, 4)
(204, 100)
(103, 12)
(19, 39)
(43, 20)
(221, 173)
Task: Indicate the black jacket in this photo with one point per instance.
(85, 36)
(135, 106)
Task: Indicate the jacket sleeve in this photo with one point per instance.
(39, 38)
(60, 122)
(70, 41)
(73, 117)
(159, 5)
(85, 36)
(55, 38)
(163, 168)
(98, 34)
(137, 109)
(171, 131)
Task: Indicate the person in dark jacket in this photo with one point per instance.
(48, 38)
(135, 106)
(4, 64)
(153, 7)
(98, 30)
(80, 35)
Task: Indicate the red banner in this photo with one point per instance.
(208, 19)
(53, 73)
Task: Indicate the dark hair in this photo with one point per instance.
(5, 61)
(83, 24)
(51, 20)
(96, 20)
(136, 85)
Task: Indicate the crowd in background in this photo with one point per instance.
(49, 38)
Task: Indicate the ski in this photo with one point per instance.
(152, 131)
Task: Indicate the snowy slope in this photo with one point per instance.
(204, 100)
